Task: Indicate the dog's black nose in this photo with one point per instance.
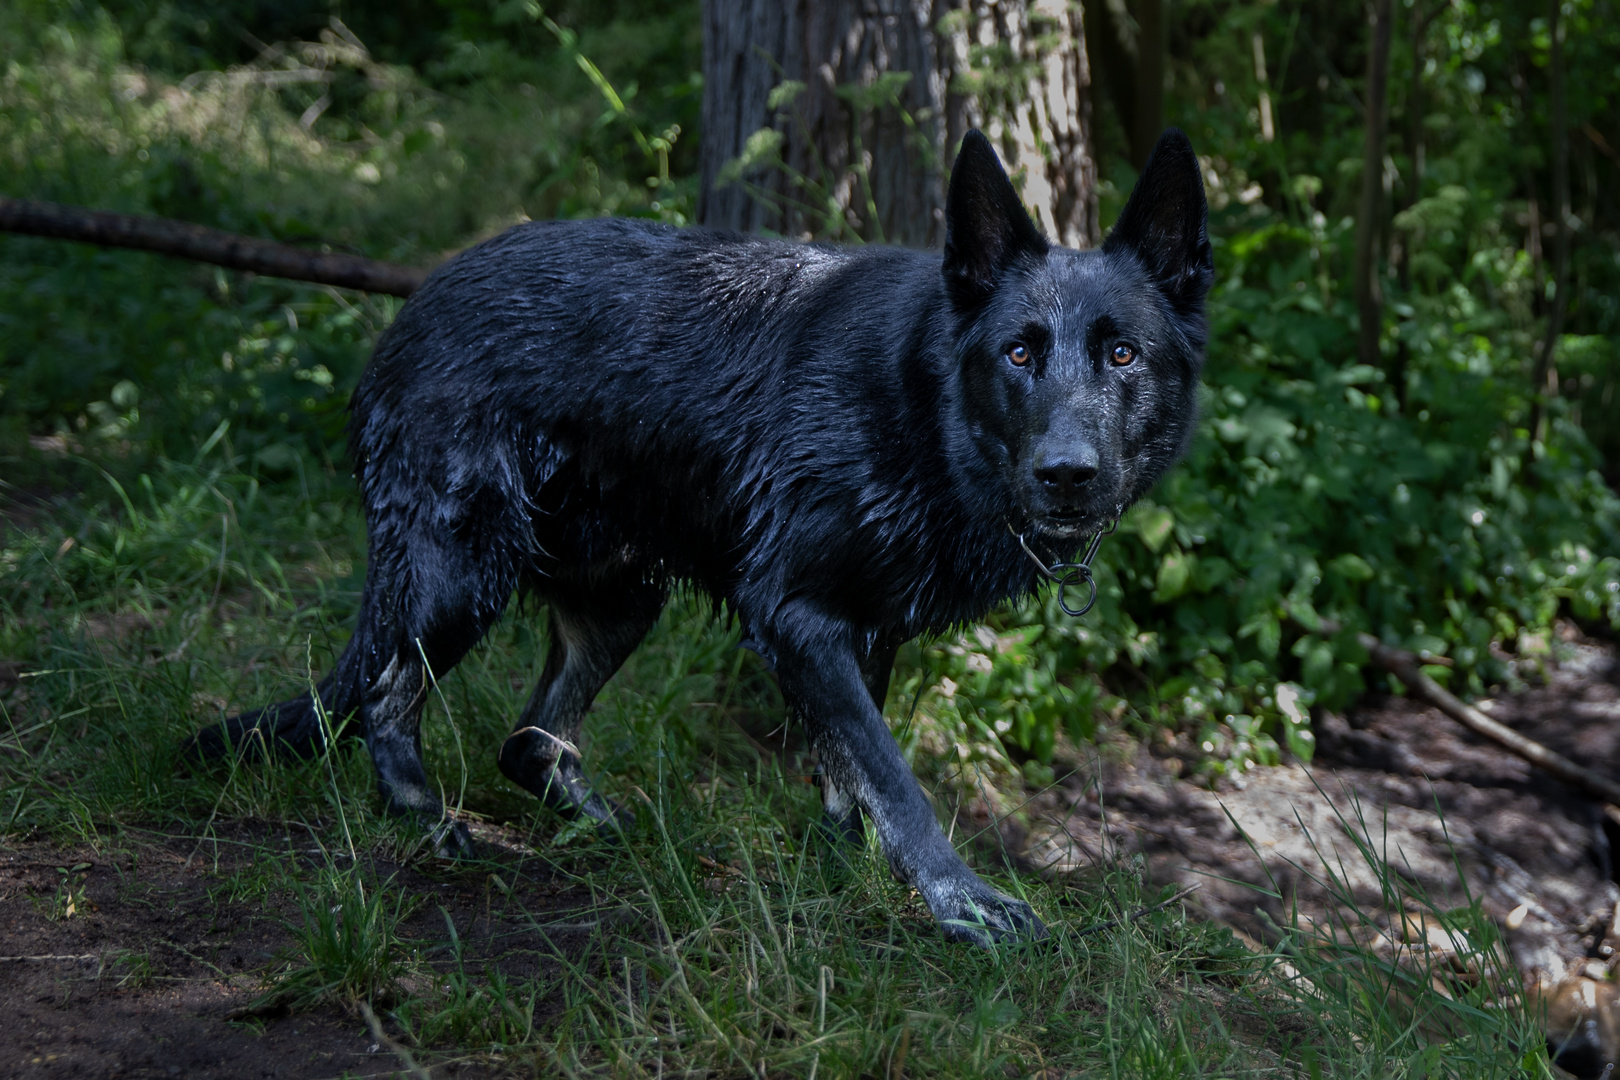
(1066, 470)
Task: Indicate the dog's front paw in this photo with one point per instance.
(978, 915)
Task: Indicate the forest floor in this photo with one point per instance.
(147, 957)
(144, 957)
(151, 950)
(1454, 816)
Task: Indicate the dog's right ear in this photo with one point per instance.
(987, 228)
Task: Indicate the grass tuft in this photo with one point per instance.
(348, 944)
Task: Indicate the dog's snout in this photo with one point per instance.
(1063, 471)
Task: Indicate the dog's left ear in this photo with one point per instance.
(1166, 222)
(987, 228)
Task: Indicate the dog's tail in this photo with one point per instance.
(295, 727)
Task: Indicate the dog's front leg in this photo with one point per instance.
(820, 671)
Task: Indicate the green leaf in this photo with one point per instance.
(784, 93)
(1317, 670)
(1152, 525)
(1352, 567)
(1175, 572)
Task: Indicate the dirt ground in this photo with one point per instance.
(1451, 813)
(156, 970)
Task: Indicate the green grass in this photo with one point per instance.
(716, 937)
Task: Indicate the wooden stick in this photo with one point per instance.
(1408, 668)
(184, 240)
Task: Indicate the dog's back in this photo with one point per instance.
(738, 411)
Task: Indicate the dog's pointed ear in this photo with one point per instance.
(987, 228)
(1166, 222)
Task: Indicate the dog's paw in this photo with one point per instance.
(978, 915)
(451, 840)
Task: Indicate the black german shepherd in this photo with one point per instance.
(846, 445)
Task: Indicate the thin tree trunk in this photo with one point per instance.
(1148, 119)
(839, 118)
(1545, 382)
(1412, 190)
(1268, 124)
(1111, 51)
(187, 241)
(1532, 234)
(1369, 288)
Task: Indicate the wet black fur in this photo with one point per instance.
(834, 441)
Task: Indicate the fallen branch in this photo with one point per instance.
(1409, 669)
(184, 240)
(76, 959)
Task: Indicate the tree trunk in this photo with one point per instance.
(1369, 288)
(1148, 119)
(1412, 190)
(1545, 384)
(838, 119)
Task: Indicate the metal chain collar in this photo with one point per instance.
(1070, 575)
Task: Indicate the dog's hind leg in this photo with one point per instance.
(431, 595)
(593, 632)
(295, 727)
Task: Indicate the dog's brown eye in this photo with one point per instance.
(1123, 354)
(1018, 353)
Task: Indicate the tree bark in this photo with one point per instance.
(839, 118)
(1369, 220)
(187, 241)
(1545, 381)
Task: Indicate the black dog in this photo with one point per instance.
(843, 444)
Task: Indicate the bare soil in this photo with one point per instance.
(156, 968)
